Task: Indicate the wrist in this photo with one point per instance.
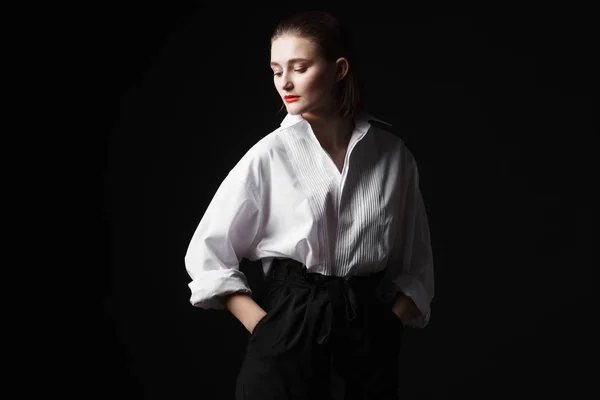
(405, 308)
(257, 318)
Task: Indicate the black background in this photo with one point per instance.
(496, 105)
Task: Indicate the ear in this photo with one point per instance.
(341, 68)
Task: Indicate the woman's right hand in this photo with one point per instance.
(260, 317)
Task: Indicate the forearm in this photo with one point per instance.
(245, 309)
(405, 308)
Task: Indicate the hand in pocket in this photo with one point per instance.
(258, 322)
(400, 318)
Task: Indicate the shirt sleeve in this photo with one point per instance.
(223, 237)
(411, 270)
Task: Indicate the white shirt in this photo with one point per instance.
(286, 198)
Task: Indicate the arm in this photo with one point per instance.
(224, 236)
(411, 271)
(245, 309)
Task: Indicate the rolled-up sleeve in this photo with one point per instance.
(411, 270)
(223, 237)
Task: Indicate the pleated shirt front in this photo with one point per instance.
(286, 198)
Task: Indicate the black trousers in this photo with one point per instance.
(314, 324)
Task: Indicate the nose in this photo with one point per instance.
(287, 84)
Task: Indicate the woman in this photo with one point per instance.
(330, 204)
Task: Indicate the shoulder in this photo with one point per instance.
(380, 124)
(258, 158)
(263, 149)
(390, 140)
(379, 128)
(384, 132)
(267, 152)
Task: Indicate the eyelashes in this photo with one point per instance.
(299, 70)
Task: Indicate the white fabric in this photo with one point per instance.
(286, 198)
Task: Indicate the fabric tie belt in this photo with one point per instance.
(341, 292)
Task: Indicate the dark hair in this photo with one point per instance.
(326, 31)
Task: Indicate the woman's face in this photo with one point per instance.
(302, 77)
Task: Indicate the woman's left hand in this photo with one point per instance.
(404, 307)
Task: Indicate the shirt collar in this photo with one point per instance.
(291, 120)
(362, 124)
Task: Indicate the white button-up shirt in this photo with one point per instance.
(286, 198)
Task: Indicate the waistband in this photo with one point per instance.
(373, 286)
(284, 267)
(344, 292)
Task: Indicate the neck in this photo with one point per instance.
(332, 132)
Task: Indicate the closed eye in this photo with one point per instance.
(299, 70)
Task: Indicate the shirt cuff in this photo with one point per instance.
(411, 287)
(209, 287)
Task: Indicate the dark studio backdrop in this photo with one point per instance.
(497, 109)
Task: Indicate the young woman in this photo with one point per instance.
(330, 203)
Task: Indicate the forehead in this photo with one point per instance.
(288, 47)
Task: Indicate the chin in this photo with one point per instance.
(294, 109)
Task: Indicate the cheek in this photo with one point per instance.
(317, 84)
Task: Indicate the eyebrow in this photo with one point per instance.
(291, 61)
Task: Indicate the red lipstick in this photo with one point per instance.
(290, 99)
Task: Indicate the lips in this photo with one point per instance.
(290, 99)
